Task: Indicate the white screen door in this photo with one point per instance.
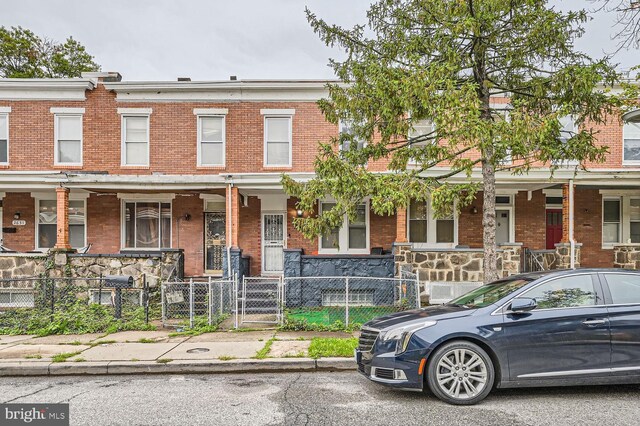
(272, 243)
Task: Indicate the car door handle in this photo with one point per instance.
(594, 322)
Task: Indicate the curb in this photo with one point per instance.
(273, 365)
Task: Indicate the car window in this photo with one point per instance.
(564, 292)
(624, 288)
(489, 293)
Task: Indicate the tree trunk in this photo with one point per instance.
(490, 269)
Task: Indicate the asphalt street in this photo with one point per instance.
(310, 398)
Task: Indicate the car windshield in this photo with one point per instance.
(489, 294)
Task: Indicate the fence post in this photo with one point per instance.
(210, 304)
(235, 297)
(346, 301)
(162, 304)
(145, 298)
(191, 303)
(100, 290)
(53, 296)
(418, 304)
(221, 283)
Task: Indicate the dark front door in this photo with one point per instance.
(214, 241)
(624, 315)
(566, 336)
(554, 227)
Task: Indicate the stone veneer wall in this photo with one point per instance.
(155, 266)
(626, 256)
(455, 265)
(301, 271)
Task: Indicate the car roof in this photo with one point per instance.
(564, 272)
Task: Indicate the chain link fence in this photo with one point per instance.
(197, 303)
(261, 300)
(325, 302)
(44, 305)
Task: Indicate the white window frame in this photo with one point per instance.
(277, 114)
(123, 222)
(4, 113)
(224, 140)
(631, 114)
(94, 291)
(136, 113)
(47, 197)
(431, 229)
(13, 291)
(567, 163)
(343, 234)
(56, 154)
(621, 232)
(412, 133)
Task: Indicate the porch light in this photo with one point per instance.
(299, 213)
(16, 215)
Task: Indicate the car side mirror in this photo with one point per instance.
(523, 304)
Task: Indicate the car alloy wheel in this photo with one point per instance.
(460, 373)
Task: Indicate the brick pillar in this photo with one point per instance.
(233, 215)
(401, 225)
(62, 208)
(565, 213)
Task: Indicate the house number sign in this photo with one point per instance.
(19, 222)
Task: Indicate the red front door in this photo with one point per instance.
(554, 227)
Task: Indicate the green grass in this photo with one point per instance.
(226, 358)
(332, 347)
(146, 340)
(79, 360)
(63, 356)
(164, 360)
(332, 318)
(33, 356)
(262, 353)
(102, 342)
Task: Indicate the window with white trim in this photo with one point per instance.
(356, 297)
(211, 140)
(351, 237)
(426, 230)
(135, 140)
(68, 139)
(147, 225)
(4, 138)
(631, 138)
(611, 220)
(346, 127)
(634, 220)
(277, 141)
(10, 298)
(107, 296)
(423, 128)
(48, 223)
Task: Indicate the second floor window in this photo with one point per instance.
(277, 141)
(135, 140)
(631, 131)
(68, 139)
(4, 139)
(211, 141)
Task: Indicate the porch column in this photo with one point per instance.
(565, 214)
(232, 215)
(401, 225)
(62, 209)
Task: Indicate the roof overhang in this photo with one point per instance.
(31, 89)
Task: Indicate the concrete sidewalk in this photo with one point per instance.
(143, 352)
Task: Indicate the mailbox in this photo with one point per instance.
(118, 281)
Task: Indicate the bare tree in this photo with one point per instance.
(627, 31)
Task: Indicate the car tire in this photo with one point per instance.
(460, 373)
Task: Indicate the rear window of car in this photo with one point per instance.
(624, 288)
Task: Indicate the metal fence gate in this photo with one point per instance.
(261, 300)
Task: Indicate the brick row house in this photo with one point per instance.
(110, 167)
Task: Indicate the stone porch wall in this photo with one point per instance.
(626, 256)
(155, 266)
(455, 265)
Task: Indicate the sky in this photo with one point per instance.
(214, 39)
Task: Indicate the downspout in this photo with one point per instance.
(572, 242)
(229, 226)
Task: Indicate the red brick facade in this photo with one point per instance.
(173, 151)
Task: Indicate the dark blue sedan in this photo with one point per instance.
(539, 329)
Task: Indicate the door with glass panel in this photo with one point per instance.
(214, 241)
(273, 242)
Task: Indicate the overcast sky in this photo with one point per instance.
(213, 39)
